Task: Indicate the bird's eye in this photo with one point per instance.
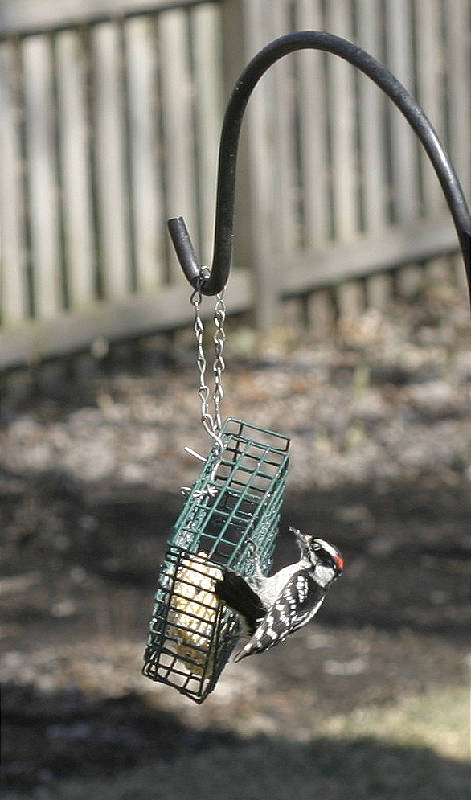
(334, 562)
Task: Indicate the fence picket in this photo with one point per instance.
(403, 142)
(73, 128)
(342, 129)
(263, 235)
(42, 176)
(146, 187)
(208, 79)
(371, 122)
(110, 163)
(430, 75)
(13, 298)
(372, 146)
(458, 57)
(26, 18)
(177, 97)
(281, 110)
(312, 110)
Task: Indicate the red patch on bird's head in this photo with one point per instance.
(339, 562)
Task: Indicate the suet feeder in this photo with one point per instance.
(232, 512)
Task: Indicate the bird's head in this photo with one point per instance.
(327, 561)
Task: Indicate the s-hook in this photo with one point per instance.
(224, 220)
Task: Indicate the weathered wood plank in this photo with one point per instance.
(322, 313)
(342, 109)
(234, 59)
(261, 173)
(350, 300)
(177, 97)
(42, 177)
(24, 17)
(403, 142)
(371, 122)
(134, 316)
(110, 163)
(458, 57)
(208, 80)
(430, 76)
(280, 90)
(13, 298)
(79, 244)
(312, 109)
(379, 291)
(409, 281)
(146, 188)
(438, 274)
(460, 275)
(368, 255)
(373, 180)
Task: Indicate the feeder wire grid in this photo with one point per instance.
(229, 520)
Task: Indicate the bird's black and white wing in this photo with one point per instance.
(236, 593)
(297, 603)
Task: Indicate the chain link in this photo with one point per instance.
(218, 366)
(211, 421)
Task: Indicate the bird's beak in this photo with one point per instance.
(304, 538)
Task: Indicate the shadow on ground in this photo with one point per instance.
(143, 753)
(407, 548)
(399, 612)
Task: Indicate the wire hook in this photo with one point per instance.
(224, 217)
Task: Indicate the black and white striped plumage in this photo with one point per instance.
(276, 606)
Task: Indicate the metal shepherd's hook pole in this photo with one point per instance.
(224, 221)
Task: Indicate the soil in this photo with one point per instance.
(90, 468)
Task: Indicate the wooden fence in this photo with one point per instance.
(109, 124)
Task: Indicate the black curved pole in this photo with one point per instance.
(314, 40)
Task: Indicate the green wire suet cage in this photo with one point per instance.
(229, 520)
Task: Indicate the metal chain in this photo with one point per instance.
(219, 365)
(211, 422)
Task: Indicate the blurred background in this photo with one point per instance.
(348, 330)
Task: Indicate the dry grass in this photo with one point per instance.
(438, 719)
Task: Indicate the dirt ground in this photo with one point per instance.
(373, 697)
